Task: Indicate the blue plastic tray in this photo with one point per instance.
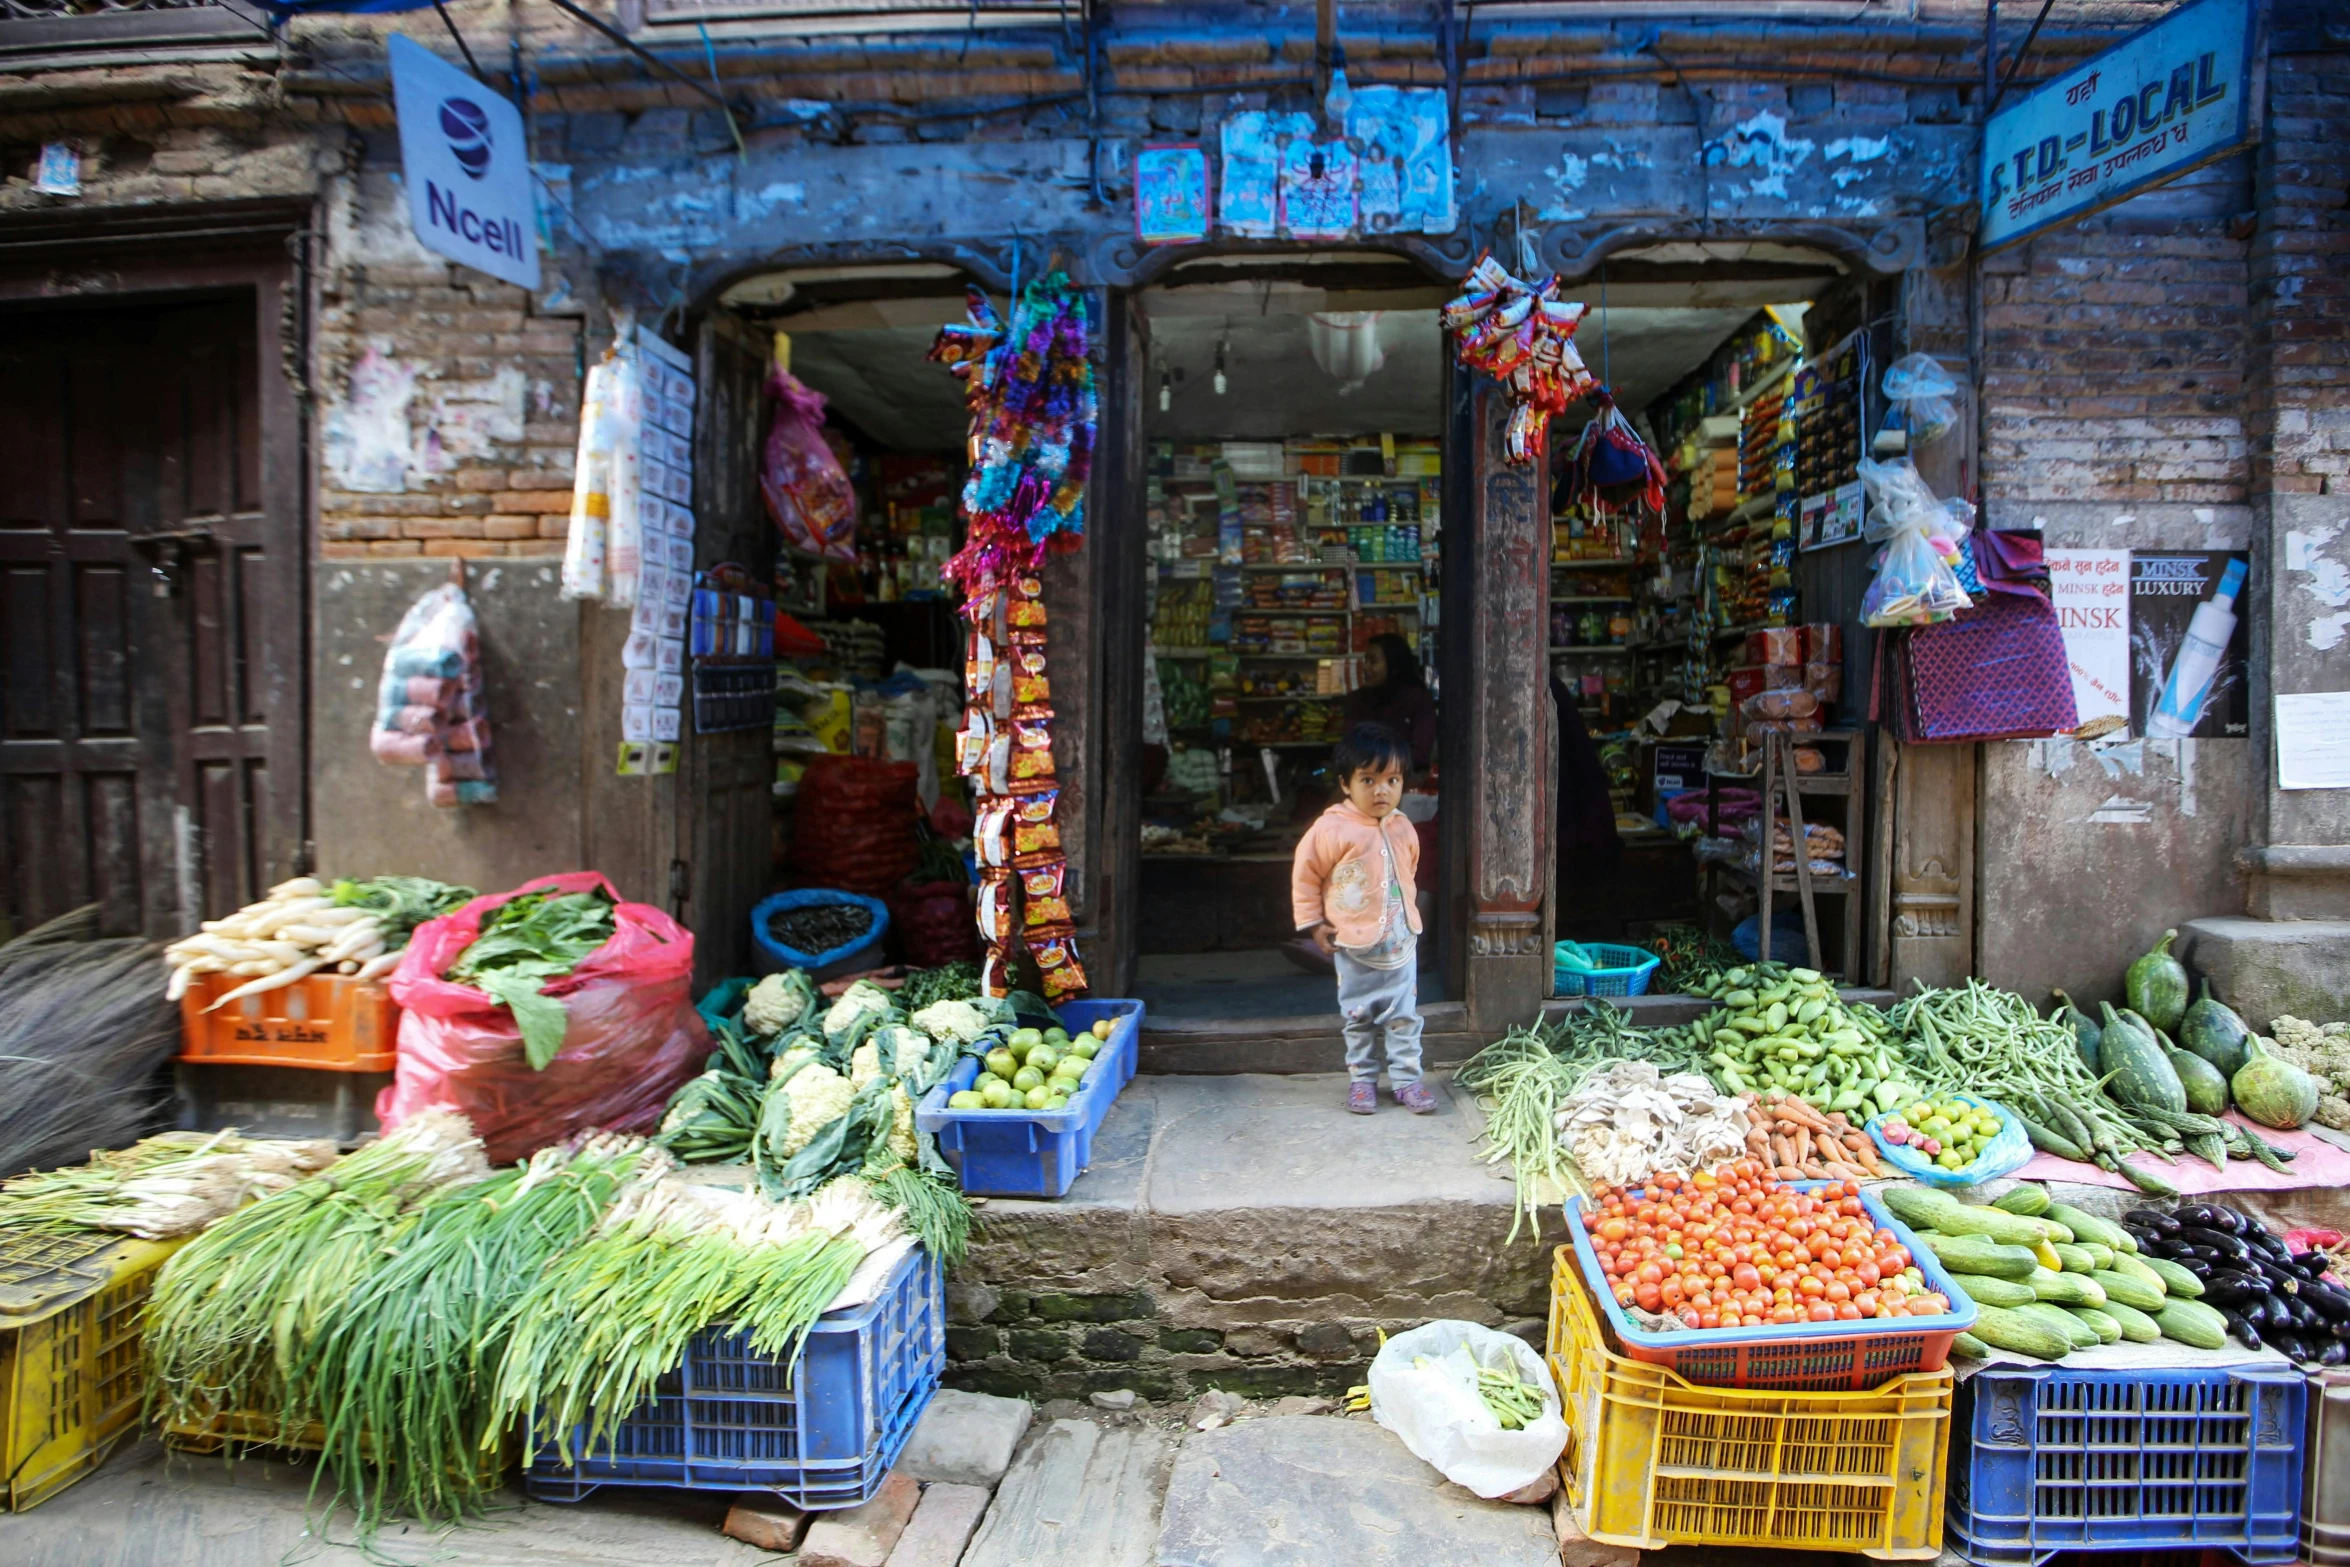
(2046, 1459)
(2005, 1154)
(1034, 1153)
(1795, 1356)
(774, 956)
(822, 1435)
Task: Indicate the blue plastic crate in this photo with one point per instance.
(1806, 1357)
(1035, 1153)
(1623, 971)
(2048, 1458)
(823, 1434)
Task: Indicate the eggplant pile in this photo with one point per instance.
(2266, 1294)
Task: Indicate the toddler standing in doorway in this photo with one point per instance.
(1351, 890)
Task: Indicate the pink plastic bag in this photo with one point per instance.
(633, 1037)
(808, 492)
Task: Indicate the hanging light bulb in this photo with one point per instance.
(1221, 344)
(1166, 390)
(1340, 97)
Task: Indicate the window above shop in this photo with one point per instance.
(50, 34)
(835, 16)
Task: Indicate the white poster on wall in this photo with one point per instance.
(2091, 592)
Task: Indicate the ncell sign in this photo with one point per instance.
(467, 168)
(2165, 100)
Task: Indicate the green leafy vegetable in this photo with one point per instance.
(525, 943)
(400, 903)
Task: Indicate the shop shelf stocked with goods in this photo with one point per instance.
(1653, 1459)
(2049, 1459)
(70, 1305)
(822, 1431)
(1035, 1153)
(1795, 1356)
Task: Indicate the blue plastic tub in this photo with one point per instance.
(2048, 1458)
(774, 957)
(822, 1435)
(1794, 1357)
(1623, 971)
(1034, 1153)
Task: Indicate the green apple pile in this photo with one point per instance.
(1034, 1069)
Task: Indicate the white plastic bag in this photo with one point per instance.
(1436, 1410)
(1915, 583)
(1925, 395)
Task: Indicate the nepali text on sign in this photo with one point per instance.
(2165, 100)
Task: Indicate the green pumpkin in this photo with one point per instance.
(2216, 1032)
(2085, 1031)
(2157, 985)
(2271, 1089)
(2207, 1091)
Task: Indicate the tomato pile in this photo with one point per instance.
(1733, 1248)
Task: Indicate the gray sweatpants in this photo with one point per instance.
(1373, 1000)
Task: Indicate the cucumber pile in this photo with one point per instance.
(2048, 1279)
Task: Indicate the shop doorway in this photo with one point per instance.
(1293, 420)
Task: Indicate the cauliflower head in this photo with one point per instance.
(901, 1124)
(957, 1020)
(775, 1004)
(789, 1059)
(907, 1051)
(2324, 1053)
(854, 1003)
(819, 1096)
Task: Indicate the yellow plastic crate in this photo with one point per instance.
(1652, 1460)
(70, 1308)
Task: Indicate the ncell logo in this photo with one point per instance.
(468, 130)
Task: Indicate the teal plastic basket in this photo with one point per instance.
(1621, 971)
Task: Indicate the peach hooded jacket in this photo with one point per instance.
(1339, 874)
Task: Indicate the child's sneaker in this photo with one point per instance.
(1416, 1098)
(1362, 1096)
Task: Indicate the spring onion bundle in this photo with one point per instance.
(171, 1184)
(234, 1310)
(403, 1374)
(614, 1314)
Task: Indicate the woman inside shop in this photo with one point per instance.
(1395, 695)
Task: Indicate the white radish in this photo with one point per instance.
(268, 982)
(299, 887)
(339, 914)
(251, 970)
(181, 978)
(374, 967)
(353, 941)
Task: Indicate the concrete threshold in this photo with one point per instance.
(1311, 1042)
(1244, 1232)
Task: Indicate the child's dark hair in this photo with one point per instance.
(1369, 746)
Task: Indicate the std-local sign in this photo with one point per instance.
(467, 166)
(2167, 99)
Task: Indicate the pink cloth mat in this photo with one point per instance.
(2319, 1164)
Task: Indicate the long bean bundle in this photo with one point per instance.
(1979, 1039)
(404, 1376)
(615, 1313)
(234, 1309)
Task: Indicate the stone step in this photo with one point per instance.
(1081, 1494)
(1243, 1233)
(1313, 1491)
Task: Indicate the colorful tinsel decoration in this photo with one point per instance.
(1521, 334)
(1029, 384)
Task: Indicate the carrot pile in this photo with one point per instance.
(1795, 1142)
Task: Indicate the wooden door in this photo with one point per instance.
(151, 616)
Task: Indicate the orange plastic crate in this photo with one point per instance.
(328, 1022)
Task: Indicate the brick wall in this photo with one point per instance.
(2113, 357)
(450, 402)
(2298, 397)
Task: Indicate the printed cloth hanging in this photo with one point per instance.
(1996, 670)
(1029, 384)
(1520, 334)
(1612, 455)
